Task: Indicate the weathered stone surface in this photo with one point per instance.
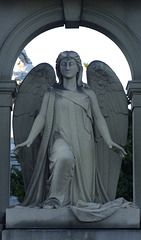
(64, 218)
(118, 20)
(83, 234)
(134, 93)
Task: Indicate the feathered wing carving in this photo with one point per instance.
(27, 105)
(113, 104)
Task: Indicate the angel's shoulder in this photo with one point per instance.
(46, 96)
(91, 94)
(48, 91)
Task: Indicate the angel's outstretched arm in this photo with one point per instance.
(37, 126)
(102, 125)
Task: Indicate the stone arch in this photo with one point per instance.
(120, 34)
(28, 29)
(53, 17)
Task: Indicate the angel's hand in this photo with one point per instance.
(18, 147)
(118, 149)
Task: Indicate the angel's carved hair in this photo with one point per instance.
(69, 55)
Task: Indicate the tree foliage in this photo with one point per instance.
(125, 185)
(17, 185)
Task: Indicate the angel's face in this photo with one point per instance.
(68, 68)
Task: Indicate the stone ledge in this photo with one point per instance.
(83, 234)
(8, 86)
(64, 218)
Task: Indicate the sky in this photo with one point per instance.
(89, 44)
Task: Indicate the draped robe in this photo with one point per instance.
(73, 123)
(69, 119)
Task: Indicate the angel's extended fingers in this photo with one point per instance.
(122, 151)
(121, 154)
(18, 148)
(119, 150)
(16, 151)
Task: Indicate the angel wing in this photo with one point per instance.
(113, 104)
(27, 105)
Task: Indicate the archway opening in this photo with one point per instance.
(90, 45)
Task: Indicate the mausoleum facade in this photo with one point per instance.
(22, 21)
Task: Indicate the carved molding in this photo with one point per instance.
(118, 31)
(72, 13)
(7, 89)
(7, 86)
(55, 16)
(134, 93)
(24, 32)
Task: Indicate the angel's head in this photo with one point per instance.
(70, 55)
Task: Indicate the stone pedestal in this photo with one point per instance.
(61, 224)
(63, 218)
(73, 234)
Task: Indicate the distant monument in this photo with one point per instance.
(22, 67)
(65, 139)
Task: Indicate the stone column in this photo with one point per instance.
(6, 90)
(134, 93)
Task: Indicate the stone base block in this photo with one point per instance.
(83, 234)
(1, 228)
(64, 218)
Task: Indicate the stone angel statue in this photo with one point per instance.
(70, 146)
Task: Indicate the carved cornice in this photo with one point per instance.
(7, 86)
(134, 93)
(7, 91)
(133, 88)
